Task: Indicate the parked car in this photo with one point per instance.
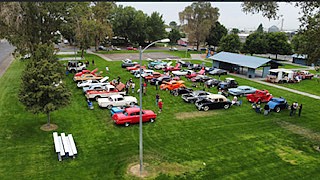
(277, 104)
(153, 75)
(183, 63)
(181, 90)
(132, 116)
(194, 74)
(215, 101)
(128, 63)
(87, 77)
(131, 48)
(171, 68)
(120, 109)
(194, 96)
(103, 48)
(160, 80)
(200, 78)
(212, 82)
(108, 91)
(171, 85)
(160, 66)
(259, 96)
(135, 67)
(88, 83)
(145, 72)
(97, 87)
(208, 69)
(173, 49)
(86, 72)
(182, 72)
(117, 100)
(75, 66)
(228, 83)
(152, 64)
(241, 90)
(217, 71)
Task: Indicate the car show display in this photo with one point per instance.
(216, 101)
(228, 83)
(131, 116)
(241, 90)
(195, 95)
(117, 100)
(277, 104)
(108, 91)
(181, 90)
(259, 96)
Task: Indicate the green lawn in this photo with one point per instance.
(310, 86)
(220, 144)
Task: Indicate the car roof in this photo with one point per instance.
(244, 87)
(116, 96)
(217, 96)
(132, 109)
(109, 86)
(228, 78)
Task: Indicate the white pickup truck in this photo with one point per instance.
(117, 100)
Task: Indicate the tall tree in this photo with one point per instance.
(256, 43)
(230, 43)
(235, 31)
(278, 43)
(260, 29)
(27, 24)
(173, 25)
(309, 26)
(42, 89)
(298, 42)
(155, 27)
(217, 31)
(197, 19)
(174, 36)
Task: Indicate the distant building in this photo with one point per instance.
(273, 29)
(243, 37)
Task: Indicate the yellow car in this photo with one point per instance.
(87, 77)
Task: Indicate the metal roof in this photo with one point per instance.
(240, 59)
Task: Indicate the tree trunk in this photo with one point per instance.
(48, 115)
(276, 56)
(82, 52)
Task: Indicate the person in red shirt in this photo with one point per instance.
(160, 105)
(144, 88)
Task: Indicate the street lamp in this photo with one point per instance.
(140, 94)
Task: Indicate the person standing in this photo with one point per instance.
(132, 87)
(92, 62)
(144, 88)
(127, 87)
(160, 105)
(300, 109)
(118, 80)
(293, 109)
(107, 69)
(157, 98)
(157, 84)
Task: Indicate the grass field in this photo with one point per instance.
(183, 143)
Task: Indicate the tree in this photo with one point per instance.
(309, 20)
(230, 43)
(174, 36)
(260, 29)
(298, 42)
(278, 43)
(27, 24)
(256, 43)
(42, 90)
(197, 19)
(155, 27)
(173, 25)
(216, 33)
(235, 31)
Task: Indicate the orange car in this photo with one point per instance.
(172, 85)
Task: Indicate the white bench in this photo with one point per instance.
(72, 145)
(58, 145)
(66, 145)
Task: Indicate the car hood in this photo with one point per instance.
(272, 104)
(100, 100)
(234, 90)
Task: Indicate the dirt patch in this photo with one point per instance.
(307, 133)
(135, 56)
(134, 169)
(51, 127)
(189, 115)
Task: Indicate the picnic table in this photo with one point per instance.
(64, 145)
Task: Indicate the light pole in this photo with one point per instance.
(140, 94)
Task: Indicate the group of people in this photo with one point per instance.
(294, 107)
(129, 84)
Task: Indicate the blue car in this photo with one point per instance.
(277, 104)
(154, 63)
(116, 110)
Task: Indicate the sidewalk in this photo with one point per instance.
(100, 55)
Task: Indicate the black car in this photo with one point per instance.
(182, 90)
(195, 66)
(208, 69)
(195, 96)
(217, 71)
(200, 78)
(124, 65)
(160, 80)
(216, 101)
(228, 83)
(212, 82)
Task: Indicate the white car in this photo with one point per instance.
(88, 83)
(117, 100)
(145, 72)
(182, 72)
(129, 61)
(97, 86)
(160, 66)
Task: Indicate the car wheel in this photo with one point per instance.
(277, 109)
(126, 124)
(226, 106)
(176, 93)
(152, 120)
(73, 71)
(206, 108)
(109, 106)
(166, 89)
(97, 97)
(132, 104)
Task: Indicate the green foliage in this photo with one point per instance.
(216, 33)
(173, 25)
(235, 31)
(174, 36)
(155, 27)
(260, 29)
(298, 42)
(197, 20)
(268, 9)
(256, 43)
(42, 89)
(230, 43)
(278, 43)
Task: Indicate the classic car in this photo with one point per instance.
(75, 66)
(87, 83)
(145, 72)
(216, 101)
(87, 77)
(195, 95)
(117, 100)
(183, 63)
(152, 64)
(195, 67)
(120, 109)
(131, 48)
(85, 71)
(277, 104)
(228, 83)
(241, 90)
(200, 78)
(171, 68)
(132, 116)
(128, 63)
(305, 74)
(171, 85)
(208, 69)
(103, 48)
(212, 82)
(259, 96)
(160, 80)
(93, 87)
(217, 71)
(108, 91)
(137, 66)
(153, 75)
(194, 74)
(182, 90)
(160, 66)
(182, 72)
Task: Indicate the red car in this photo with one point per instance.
(86, 72)
(201, 72)
(135, 67)
(131, 48)
(259, 96)
(132, 116)
(154, 75)
(171, 68)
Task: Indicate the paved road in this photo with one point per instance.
(5, 56)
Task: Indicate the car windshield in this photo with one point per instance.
(125, 113)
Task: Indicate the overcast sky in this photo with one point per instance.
(231, 15)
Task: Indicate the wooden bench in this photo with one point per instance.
(64, 145)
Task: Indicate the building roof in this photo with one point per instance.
(240, 59)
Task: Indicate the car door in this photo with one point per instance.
(220, 103)
(215, 103)
(120, 101)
